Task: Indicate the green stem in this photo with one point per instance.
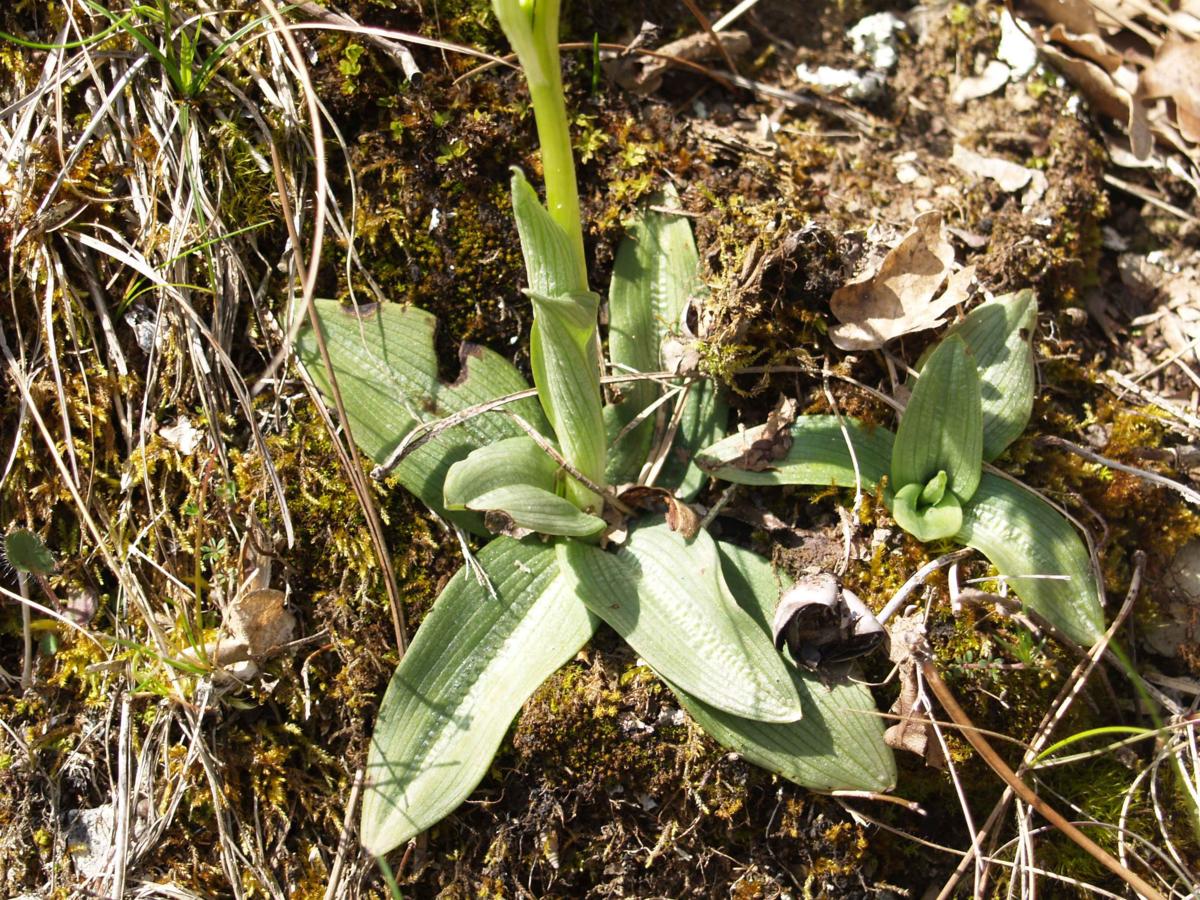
(558, 162)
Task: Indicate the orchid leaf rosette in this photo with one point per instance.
(540, 480)
(973, 398)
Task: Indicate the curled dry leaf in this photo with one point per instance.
(771, 442)
(994, 76)
(680, 516)
(914, 732)
(899, 298)
(182, 435)
(1175, 73)
(821, 622)
(259, 622)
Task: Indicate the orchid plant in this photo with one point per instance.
(568, 492)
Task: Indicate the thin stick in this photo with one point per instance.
(917, 579)
(123, 812)
(26, 633)
(339, 861)
(1153, 477)
(712, 34)
(1071, 688)
(1022, 790)
(1142, 394)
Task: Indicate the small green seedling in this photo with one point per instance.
(545, 480)
(26, 553)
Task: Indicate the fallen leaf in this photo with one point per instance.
(822, 623)
(772, 440)
(1077, 16)
(1089, 46)
(258, 620)
(1008, 175)
(182, 435)
(1106, 95)
(644, 75)
(899, 298)
(914, 732)
(1175, 73)
(994, 76)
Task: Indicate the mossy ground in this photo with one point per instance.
(603, 787)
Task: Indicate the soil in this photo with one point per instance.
(603, 787)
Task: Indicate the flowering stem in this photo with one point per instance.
(532, 28)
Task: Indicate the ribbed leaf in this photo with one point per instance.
(655, 275)
(387, 370)
(926, 520)
(515, 460)
(837, 745)
(562, 341)
(537, 510)
(550, 260)
(473, 663)
(817, 454)
(1024, 536)
(667, 598)
(942, 427)
(998, 335)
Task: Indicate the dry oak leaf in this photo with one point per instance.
(1175, 73)
(899, 298)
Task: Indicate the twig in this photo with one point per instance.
(1142, 394)
(917, 579)
(339, 861)
(1071, 688)
(26, 633)
(733, 15)
(1153, 477)
(1022, 790)
(399, 53)
(712, 34)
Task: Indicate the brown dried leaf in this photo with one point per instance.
(258, 620)
(1089, 46)
(644, 75)
(899, 298)
(914, 732)
(1106, 96)
(773, 440)
(1076, 15)
(1008, 175)
(1175, 73)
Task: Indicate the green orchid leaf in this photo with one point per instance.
(812, 451)
(473, 663)
(927, 521)
(515, 460)
(942, 427)
(655, 278)
(562, 341)
(387, 370)
(668, 599)
(1024, 537)
(551, 263)
(998, 335)
(837, 744)
(533, 509)
(935, 490)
